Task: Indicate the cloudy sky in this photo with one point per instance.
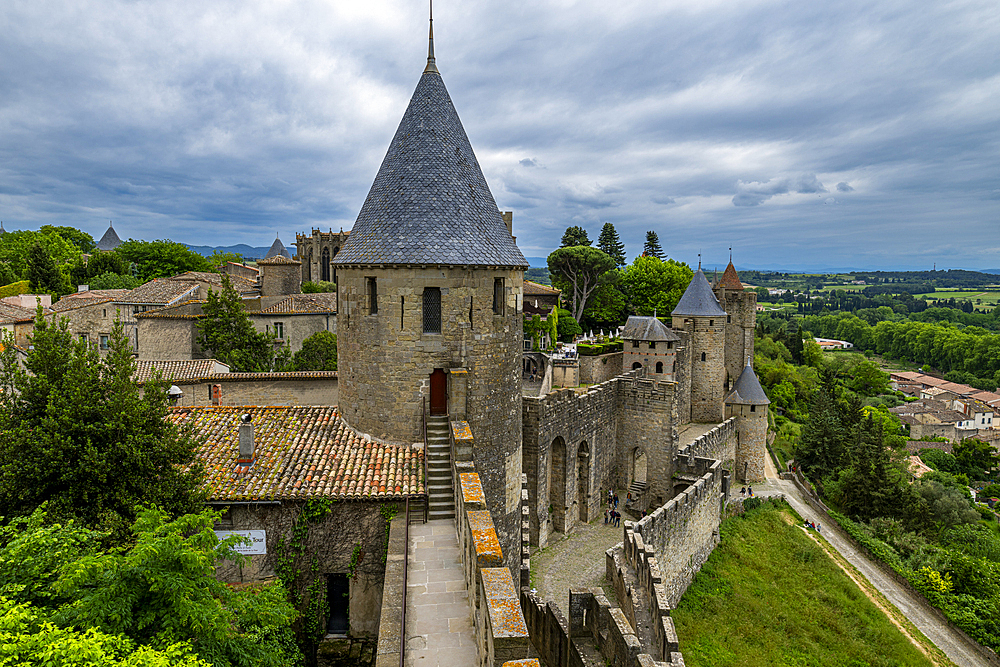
(802, 134)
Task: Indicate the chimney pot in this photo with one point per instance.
(246, 441)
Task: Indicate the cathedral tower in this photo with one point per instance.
(699, 313)
(430, 296)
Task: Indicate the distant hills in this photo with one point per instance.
(246, 251)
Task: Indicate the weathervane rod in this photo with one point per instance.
(431, 64)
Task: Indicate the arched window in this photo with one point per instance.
(636, 365)
(324, 265)
(659, 366)
(703, 356)
(309, 265)
(432, 310)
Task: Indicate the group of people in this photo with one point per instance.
(815, 526)
(746, 492)
(612, 515)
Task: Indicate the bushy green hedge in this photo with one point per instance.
(20, 287)
(589, 350)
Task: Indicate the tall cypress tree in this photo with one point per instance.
(42, 274)
(611, 243)
(652, 246)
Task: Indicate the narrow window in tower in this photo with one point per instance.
(498, 296)
(711, 323)
(670, 345)
(372, 296)
(729, 319)
(753, 408)
(659, 366)
(470, 311)
(432, 310)
(402, 309)
(652, 345)
(703, 356)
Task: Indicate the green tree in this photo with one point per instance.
(76, 432)
(82, 240)
(821, 451)
(868, 379)
(106, 262)
(318, 353)
(796, 346)
(111, 280)
(654, 285)
(651, 248)
(608, 306)
(16, 246)
(227, 332)
(579, 271)
(975, 458)
(568, 327)
(219, 259)
(574, 236)
(160, 259)
(42, 274)
(318, 286)
(611, 243)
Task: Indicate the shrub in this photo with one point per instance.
(20, 287)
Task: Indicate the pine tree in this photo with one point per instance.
(652, 246)
(574, 236)
(226, 331)
(42, 274)
(610, 243)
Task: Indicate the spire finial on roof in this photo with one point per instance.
(699, 261)
(730, 254)
(431, 64)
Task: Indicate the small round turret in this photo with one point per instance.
(748, 403)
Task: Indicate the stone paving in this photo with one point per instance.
(575, 560)
(439, 629)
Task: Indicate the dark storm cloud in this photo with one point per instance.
(715, 124)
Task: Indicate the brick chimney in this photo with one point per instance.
(247, 446)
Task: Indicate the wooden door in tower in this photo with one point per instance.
(439, 392)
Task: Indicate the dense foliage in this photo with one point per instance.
(76, 433)
(315, 287)
(155, 601)
(579, 271)
(318, 353)
(651, 248)
(574, 236)
(611, 243)
(160, 259)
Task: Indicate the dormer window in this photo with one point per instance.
(635, 343)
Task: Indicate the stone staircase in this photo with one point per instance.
(440, 492)
(637, 489)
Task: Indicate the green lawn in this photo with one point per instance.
(982, 299)
(769, 595)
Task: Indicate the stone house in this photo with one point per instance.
(541, 296)
(91, 315)
(650, 345)
(264, 465)
(153, 295)
(171, 332)
(244, 286)
(18, 322)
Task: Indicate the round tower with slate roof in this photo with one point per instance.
(741, 320)
(110, 240)
(430, 298)
(748, 403)
(699, 313)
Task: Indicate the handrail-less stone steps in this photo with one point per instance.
(440, 490)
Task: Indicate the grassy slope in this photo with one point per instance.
(769, 595)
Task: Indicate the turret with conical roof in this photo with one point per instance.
(277, 249)
(740, 305)
(748, 403)
(110, 240)
(430, 294)
(699, 314)
(649, 344)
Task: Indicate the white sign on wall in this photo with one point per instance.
(258, 541)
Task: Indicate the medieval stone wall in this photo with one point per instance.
(297, 326)
(251, 389)
(595, 370)
(646, 425)
(719, 443)
(682, 376)
(707, 367)
(565, 433)
(91, 321)
(278, 279)
(751, 448)
(331, 540)
(167, 338)
(741, 311)
(385, 362)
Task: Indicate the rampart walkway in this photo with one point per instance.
(439, 630)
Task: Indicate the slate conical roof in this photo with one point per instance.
(730, 279)
(430, 203)
(698, 299)
(747, 390)
(641, 327)
(277, 248)
(110, 240)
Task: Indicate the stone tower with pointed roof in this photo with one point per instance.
(430, 298)
(748, 403)
(700, 315)
(741, 318)
(110, 240)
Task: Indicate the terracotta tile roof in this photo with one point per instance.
(244, 377)
(907, 375)
(956, 388)
(931, 381)
(162, 291)
(89, 298)
(324, 302)
(730, 279)
(189, 309)
(301, 452)
(240, 284)
(10, 314)
(986, 396)
(175, 370)
(536, 289)
(918, 407)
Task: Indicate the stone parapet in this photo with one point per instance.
(390, 626)
(499, 621)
